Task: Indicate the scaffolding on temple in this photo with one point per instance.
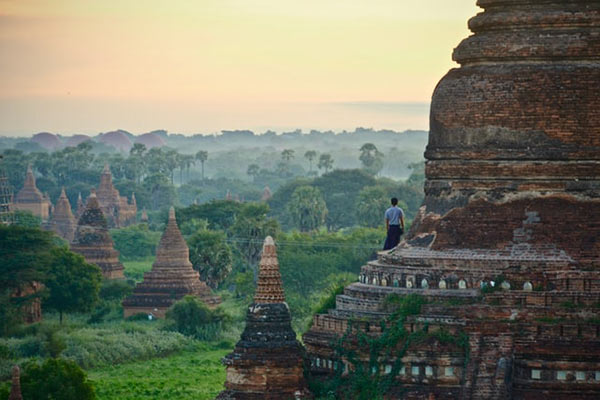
(6, 197)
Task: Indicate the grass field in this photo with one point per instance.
(196, 375)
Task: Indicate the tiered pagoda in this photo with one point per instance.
(93, 241)
(15, 387)
(63, 222)
(29, 198)
(118, 211)
(267, 363)
(506, 248)
(171, 278)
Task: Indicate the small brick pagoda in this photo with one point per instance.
(93, 241)
(506, 248)
(29, 198)
(15, 387)
(171, 278)
(119, 212)
(63, 222)
(267, 363)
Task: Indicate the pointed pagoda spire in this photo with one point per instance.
(267, 345)
(144, 217)
(172, 249)
(228, 195)
(29, 193)
(106, 169)
(92, 200)
(172, 277)
(29, 178)
(133, 200)
(15, 388)
(62, 221)
(269, 287)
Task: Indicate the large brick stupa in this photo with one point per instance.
(506, 247)
(267, 363)
(171, 278)
(93, 241)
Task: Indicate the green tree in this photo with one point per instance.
(371, 203)
(202, 156)
(250, 229)
(307, 208)
(287, 155)
(253, 171)
(26, 219)
(162, 192)
(24, 255)
(135, 242)
(325, 162)
(310, 155)
(55, 378)
(340, 189)
(211, 256)
(371, 158)
(220, 214)
(73, 284)
(191, 317)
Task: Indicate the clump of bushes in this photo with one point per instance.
(55, 378)
(191, 317)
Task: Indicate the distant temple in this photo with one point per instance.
(93, 241)
(267, 363)
(62, 221)
(15, 387)
(29, 198)
(171, 278)
(266, 196)
(116, 208)
(6, 197)
(31, 311)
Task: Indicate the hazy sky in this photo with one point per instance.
(199, 66)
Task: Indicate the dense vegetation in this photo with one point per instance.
(325, 213)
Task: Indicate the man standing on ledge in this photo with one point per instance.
(394, 224)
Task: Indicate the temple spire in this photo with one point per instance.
(29, 178)
(15, 388)
(269, 287)
(172, 249)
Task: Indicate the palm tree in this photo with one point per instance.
(189, 161)
(287, 154)
(202, 156)
(253, 170)
(310, 156)
(325, 162)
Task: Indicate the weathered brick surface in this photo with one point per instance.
(268, 362)
(512, 198)
(172, 277)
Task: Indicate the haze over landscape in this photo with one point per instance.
(82, 66)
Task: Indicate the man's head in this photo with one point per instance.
(394, 201)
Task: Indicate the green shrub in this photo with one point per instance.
(55, 379)
(135, 242)
(191, 317)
